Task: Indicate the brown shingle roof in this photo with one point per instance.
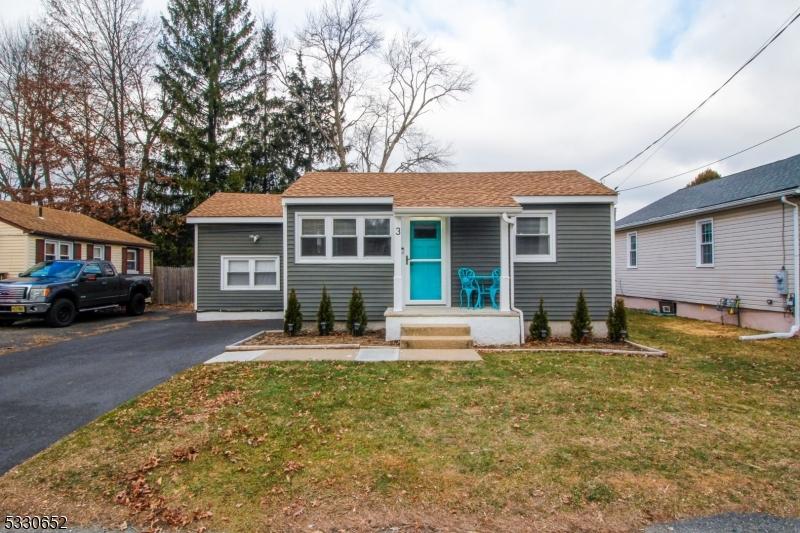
(447, 189)
(236, 204)
(57, 223)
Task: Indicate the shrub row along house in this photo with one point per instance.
(724, 250)
(30, 234)
(403, 240)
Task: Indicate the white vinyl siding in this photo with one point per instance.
(747, 254)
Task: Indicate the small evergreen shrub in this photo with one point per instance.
(581, 323)
(617, 321)
(293, 319)
(325, 317)
(540, 324)
(356, 314)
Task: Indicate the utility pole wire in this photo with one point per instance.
(791, 20)
(765, 141)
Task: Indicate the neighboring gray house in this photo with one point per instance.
(401, 238)
(731, 238)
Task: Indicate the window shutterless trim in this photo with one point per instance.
(551, 234)
(699, 243)
(329, 258)
(635, 249)
(223, 272)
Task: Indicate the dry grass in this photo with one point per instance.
(545, 442)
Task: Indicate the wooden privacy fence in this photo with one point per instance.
(173, 285)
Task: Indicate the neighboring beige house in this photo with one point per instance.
(29, 234)
(731, 238)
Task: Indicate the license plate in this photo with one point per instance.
(17, 308)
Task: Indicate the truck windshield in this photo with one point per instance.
(53, 269)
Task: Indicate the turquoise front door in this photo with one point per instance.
(425, 261)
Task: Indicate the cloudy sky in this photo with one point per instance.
(586, 85)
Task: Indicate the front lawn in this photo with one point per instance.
(518, 442)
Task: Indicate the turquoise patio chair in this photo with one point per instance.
(494, 289)
(469, 285)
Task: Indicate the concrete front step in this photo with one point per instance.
(435, 341)
(435, 330)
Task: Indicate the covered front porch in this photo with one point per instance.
(431, 246)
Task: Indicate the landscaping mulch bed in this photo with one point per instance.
(369, 338)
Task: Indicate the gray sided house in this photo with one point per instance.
(725, 250)
(402, 239)
(238, 249)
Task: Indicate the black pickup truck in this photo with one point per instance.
(58, 290)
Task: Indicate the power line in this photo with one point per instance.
(678, 124)
(765, 141)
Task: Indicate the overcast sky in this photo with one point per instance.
(586, 85)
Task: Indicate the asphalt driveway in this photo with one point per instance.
(48, 392)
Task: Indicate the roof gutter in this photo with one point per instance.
(795, 279)
(709, 209)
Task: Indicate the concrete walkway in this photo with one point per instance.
(365, 354)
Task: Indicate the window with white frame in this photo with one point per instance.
(377, 237)
(250, 273)
(345, 237)
(705, 243)
(334, 238)
(98, 251)
(535, 237)
(54, 250)
(312, 237)
(132, 261)
(633, 250)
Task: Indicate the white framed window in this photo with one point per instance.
(377, 237)
(312, 237)
(54, 250)
(705, 242)
(343, 238)
(98, 251)
(535, 239)
(250, 273)
(132, 261)
(633, 249)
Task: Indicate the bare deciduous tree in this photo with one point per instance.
(420, 78)
(117, 42)
(338, 36)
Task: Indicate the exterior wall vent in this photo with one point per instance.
(667, 307)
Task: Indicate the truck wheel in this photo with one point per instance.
(61, 314)
(136, 305)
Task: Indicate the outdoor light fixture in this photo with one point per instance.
(255, 238)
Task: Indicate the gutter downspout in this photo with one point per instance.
(510, 221)
(795, 281)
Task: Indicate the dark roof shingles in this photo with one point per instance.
(773, 177)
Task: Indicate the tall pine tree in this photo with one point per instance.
(206, 74)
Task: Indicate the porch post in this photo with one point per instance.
(505, 279)
(397, 250)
